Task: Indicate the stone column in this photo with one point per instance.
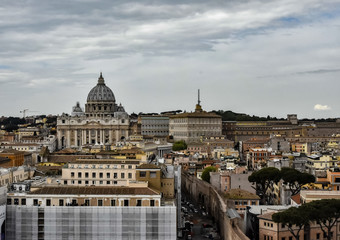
(96, 136)
(110, 136)
(83, 137)
(68, 138)
(76, 138)
(101, 136)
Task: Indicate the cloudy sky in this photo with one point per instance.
(259, 57)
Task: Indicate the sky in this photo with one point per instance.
(249, 56)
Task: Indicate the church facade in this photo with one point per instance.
(103, 122)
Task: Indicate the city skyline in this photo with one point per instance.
(256, 57)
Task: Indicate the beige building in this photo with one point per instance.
(104, 122)
(103, 172)
(12, 175)
(270, 230)
(195, 126)
(156, 179)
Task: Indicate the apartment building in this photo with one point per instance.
(100, 172)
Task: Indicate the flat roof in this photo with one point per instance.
(106, 161)
(93, 190)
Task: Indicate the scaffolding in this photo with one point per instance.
(32, 222)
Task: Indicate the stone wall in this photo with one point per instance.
(203, 193)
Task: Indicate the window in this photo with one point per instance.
(79, 182)
(115, 182)
(48, 202)
(113, 202)
(93, 182)
(86, 175)
(152, 203)
(94, 175)
(129, 175)
(61, 202)
(35, 202)
(122, 166)
(23, 201)
(290, 238)
(282, 225)
(115, 175)
(122, 175)
(87, 202)
(152, 174)
(101, 175)
(65, 182)
(283, 238)
(72, 174)
(9, 201)
(126, 202)
(130, 166)
(108, 182)
(142, 174)
(100, 202)
(79, 175)
(107, 175)
(100, 182)
(236, 202)
(87, 182)
(16, 201)
(74, 202)
(139, 203)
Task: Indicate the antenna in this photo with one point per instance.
(199, 101)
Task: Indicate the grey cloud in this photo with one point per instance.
(320, 71)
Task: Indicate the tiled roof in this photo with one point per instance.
(296, 198)
(240, 194)
(94, 191)
(147, 166)
(267, 216)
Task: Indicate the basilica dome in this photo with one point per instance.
(101, 92)
(101, 101)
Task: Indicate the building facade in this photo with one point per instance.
(194, 126)
(104, 122)
(156, 125)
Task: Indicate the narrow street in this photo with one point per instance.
(198, 224)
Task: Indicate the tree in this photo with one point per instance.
(264, 178)
(292, 217)
(326, 213)
(295, 179)
(179, 145)
(206, 173)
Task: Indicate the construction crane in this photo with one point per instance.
(24, 112)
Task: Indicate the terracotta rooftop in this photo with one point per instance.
(67, 158)
(240, 194)
(267, 216)
(94, 191)
(296, 198)
(147, 166)
(12, 151)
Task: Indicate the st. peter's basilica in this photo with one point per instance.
(103, 122)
